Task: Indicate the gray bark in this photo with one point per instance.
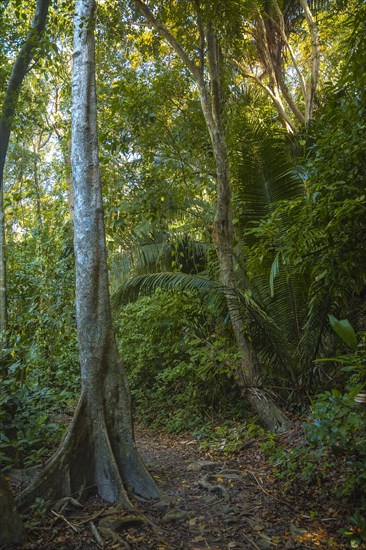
(272, 40)
(98, 452)
(8, 109)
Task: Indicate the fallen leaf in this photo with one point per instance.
(199, 538)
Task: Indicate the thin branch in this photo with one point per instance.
(202, 35)
(281, 27)
(18, 73)
(289, 125)
(177, 47)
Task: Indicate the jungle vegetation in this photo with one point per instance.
(214, 222)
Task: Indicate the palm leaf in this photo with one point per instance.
(147, 284)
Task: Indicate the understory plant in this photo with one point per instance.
(333, 451)
(29, 424)
(179, 359)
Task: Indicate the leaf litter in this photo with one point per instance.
(210, 501)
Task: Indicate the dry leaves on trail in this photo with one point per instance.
(211, 502)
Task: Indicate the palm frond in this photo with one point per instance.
(146, 284)
(263, 175)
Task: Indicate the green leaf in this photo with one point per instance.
(344, 330)
(274, 272)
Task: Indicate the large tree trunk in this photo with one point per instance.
(11, 526)
(98, 452)
(10, 101)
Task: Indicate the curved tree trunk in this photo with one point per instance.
(98, 452)
(248, 375)
(10, 101)
(11, 526)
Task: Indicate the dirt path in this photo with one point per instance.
(209, 502)
(228, 503)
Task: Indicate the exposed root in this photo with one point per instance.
(205, 483)
(86, 462)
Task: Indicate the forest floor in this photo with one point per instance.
(211, 501)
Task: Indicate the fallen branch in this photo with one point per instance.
(60, 516)
(96, 534)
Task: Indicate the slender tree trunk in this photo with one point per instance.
(3, 291)
(315, 60)
(248, 375)
(98, 452)
(18, 73)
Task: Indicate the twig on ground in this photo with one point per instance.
(251, 542)
(89, 519)
(96, 534)
(60, 516)
(260, 485)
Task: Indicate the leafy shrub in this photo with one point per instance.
(335, 441)
(180, 362)
(27, 429)
(229, 437)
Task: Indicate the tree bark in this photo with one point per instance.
(11, 526)
(98, 453)
(248, 376)
(17, 76)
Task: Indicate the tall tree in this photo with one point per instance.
(98, 451)
(20, 68)
(210, 62)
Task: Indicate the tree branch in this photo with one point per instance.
(281, 27)
(315, 59)
(165, 33)
(18, 73)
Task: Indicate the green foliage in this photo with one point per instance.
(28, 430)
(344, 330)
(308, 247)
(356, 530)
(229, 437)
(335, 442)
(180, 361)
(41, 288)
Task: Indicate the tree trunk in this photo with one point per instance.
(248, 376)
(98, 452)
(11, 526)
(18, 73)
